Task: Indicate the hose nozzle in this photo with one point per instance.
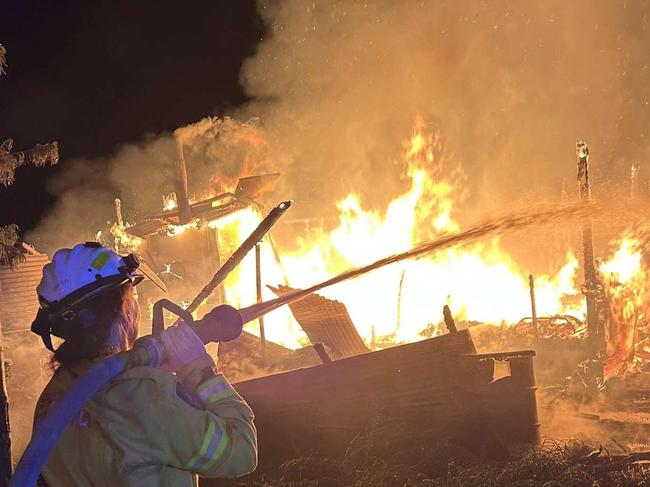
(221, 324)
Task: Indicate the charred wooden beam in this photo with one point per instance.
(592, 288)
(326, 321)
(449, 319)
(118, 212)
(533, 303)
(258, 284)
(182, 195)
(6, 464)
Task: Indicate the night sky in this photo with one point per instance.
(94, 75)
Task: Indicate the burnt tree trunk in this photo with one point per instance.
(6, 465)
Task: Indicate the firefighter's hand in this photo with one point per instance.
(185, 354)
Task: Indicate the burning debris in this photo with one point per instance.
(585, 336)
(327, 322)
(487, 397)
(425, 209)
(449, 306)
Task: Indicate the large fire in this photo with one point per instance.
(403, 302)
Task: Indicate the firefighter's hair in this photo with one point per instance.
(117, 319)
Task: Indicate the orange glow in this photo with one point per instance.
(124, 241)
(169, 203)
(625, 278)
(480, 282)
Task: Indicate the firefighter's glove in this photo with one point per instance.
(186, 355)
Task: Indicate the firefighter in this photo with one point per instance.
(148, 426)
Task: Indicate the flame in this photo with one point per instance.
(403, 302)
(169, 202)
(175, 230)
(124, 241)
(625, 265)
(625, 277)
(481, 282)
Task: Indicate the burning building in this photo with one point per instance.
(480, 283)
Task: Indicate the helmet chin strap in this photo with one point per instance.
(41, 326)
(58, 319)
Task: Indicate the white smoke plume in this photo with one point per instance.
(336, 85)
(511, 86)
(217, 151)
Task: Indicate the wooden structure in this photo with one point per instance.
(18, 299)
(593, 288)
(438, 387)
(326, 321)
(18, 307)
(246, 193)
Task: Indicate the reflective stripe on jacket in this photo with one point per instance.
(145, 428)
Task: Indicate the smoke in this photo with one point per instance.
(511, 86)
(28, 371)
(217, 151)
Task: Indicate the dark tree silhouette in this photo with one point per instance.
(11, 255)
(40, 155)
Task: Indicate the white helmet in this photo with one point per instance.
(86, 266)
(72, 278)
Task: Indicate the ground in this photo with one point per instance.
(382, 465)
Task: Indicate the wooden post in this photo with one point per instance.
(119, 221)
(449, 319)
(533, 304)
(258, 283)
(592, 288)
(182, 195)
(118, 212)
(214, 260)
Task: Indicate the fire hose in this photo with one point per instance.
(224, 323)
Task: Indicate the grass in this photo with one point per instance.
(380, 460)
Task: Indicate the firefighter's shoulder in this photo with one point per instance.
(138, 383)
(142, 383)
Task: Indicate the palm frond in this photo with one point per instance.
(40, 155)
(3, 63)
(9, 253)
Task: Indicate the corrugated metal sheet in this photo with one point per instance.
(328, 322)
(18, 299)
(438, 387)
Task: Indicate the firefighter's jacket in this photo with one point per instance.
(146, 428)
